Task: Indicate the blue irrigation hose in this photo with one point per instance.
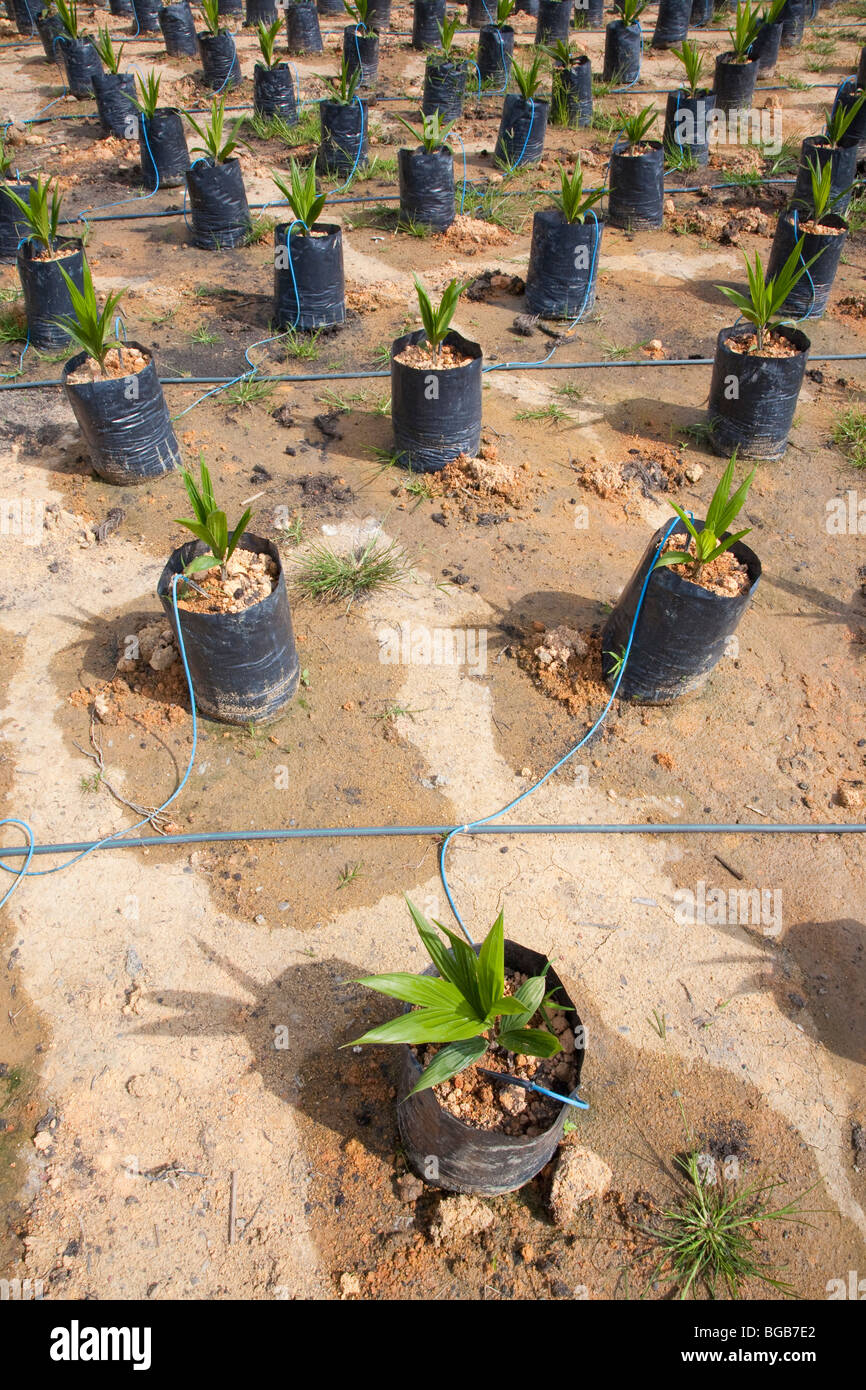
(107, 840)
(486, 820)
(391, 832)
(811, 307)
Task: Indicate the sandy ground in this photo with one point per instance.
(146, 996)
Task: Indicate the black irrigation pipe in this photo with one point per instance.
(393, 198)
(303, 377)
(412, 97)
(349, 832)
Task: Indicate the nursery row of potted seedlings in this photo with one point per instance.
(465, 1009)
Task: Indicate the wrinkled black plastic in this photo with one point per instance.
(847, 96)
(46, 295)
(637, 188)
(702, 13)
(178, 30)
(529, 7)
(686, 121)
(219, 60)
(330, 7)
(758, 421)
(162, 149)
(260, 12)
(682, 632)
(563, 263)
(495, 49)
(147, 14)
(808, 299)
(244, 666)
(766, 47)
(303, 34)
(379, 15)
(571, 93)
(480, 12)
(843, 162)
(861, 69)
(469, 1159)
(317, 263)
(274, 92)
(589, 15)
(436, 415)
(24, 13)
(554, 20)
(219, 213)
(227, 8)
(12, 229)
(672, 23)
(522, 128)
(734, 83)
(120, 7)
(344, 129)
(50, 27)
(361, 50)
(81, 62)
(622, 53)
(793, 22)
(125, 423)
(444, 88)
(426, 187)
(427, 15)
(118, 113)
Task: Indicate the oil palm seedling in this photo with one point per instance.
(712, 539)
(563, 254)
(88, 325)
(464, 1006)
(209, 524)
(237, 631)
(437, 318)
(762, 306)
(309, 285)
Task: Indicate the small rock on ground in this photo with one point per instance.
(580, 1176)
(459, 1217)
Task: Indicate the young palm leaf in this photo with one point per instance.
(745, 30)
(572, 202)
(708, 541)
(211, 11)
(301, 193)
(447, 32)
(147, 100)
(693, 61)
(504, 11)
(110, 55)
(528, 79)
(344, 87)
(86, 325)
(437, 321)
(766, 297)
(433, 134)
(41, 215)
(213, 145)
(68, 12)
(631, 10)
(465, 1008)
(635, 128)
(267, 34)
(210, 524)
(840, 118)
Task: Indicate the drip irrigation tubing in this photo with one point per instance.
(542, 366)
(368, 832)
(395, 197)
